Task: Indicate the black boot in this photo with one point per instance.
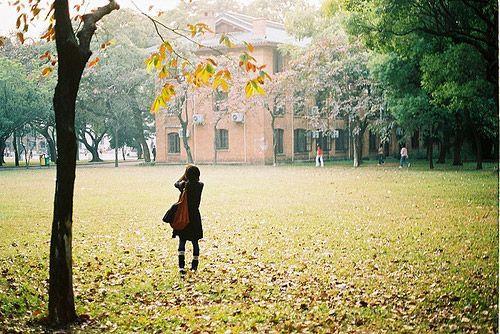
(194, 263)
(182, 263)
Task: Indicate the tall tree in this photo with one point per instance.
(334, 72)
(20, 102)
(391, 26)
(453, 79)
(73, 52)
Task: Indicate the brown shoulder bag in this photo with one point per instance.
(181, 218)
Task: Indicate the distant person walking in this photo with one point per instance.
(381, 155)
(319, 156)
(154, 152)
(404, 157)
(193, 231)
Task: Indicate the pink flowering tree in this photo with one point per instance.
(334, 71)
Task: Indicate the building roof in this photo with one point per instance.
(244, 31)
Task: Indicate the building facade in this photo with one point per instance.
(246, 136)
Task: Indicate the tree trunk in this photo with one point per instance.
(116, 146)
(27, 152)
(143, 145)
(457, 149)
(186, 144)
(95, 153)
(92, 148)
(184, 124)
(495, 148)
(72, 58)
(430, 152)
(479, 150)
(459, 139)
(358, 149)
(16, 152)
(356, 153)
(2, 151)
(52, 149)
(44, 131)
(123, 153)
(443, 148)
(61, 300)
(477, 141)
(145, 151)
(215, 144)
(139, 152)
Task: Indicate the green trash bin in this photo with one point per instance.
(47, 161)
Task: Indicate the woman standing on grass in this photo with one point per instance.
(193, 231)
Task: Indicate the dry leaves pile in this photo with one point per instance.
(286, 249)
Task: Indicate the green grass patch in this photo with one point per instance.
(291, 248)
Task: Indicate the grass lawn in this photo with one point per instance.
(286, 249)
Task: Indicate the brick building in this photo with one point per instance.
(246, 137)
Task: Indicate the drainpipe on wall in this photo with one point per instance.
(349, 136)
(293, 139)
(245, 139)
(194, 131)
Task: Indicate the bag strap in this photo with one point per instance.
(183, 193)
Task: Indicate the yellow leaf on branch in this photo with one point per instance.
(166, 94)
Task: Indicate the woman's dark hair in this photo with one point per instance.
(192, 173)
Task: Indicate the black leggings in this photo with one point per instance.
(182, 247)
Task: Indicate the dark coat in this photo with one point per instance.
(194, 230)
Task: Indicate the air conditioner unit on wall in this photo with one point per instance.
(198, 119)
(181, 133)
(238, 117)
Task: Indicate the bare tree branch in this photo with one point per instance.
(89, 25)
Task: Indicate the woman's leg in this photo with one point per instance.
(196, 254)
(182, 252)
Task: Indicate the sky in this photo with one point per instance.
(8, 13)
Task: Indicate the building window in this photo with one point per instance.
(300, 140)
(278, 61)
(298, 103)
(174, 143)
(324, 142)
(220, 98)
(278, 135)
(222, 139)
(341, 141)
(373, 142)
(279, 109)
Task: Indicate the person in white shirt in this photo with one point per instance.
(404, 157)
